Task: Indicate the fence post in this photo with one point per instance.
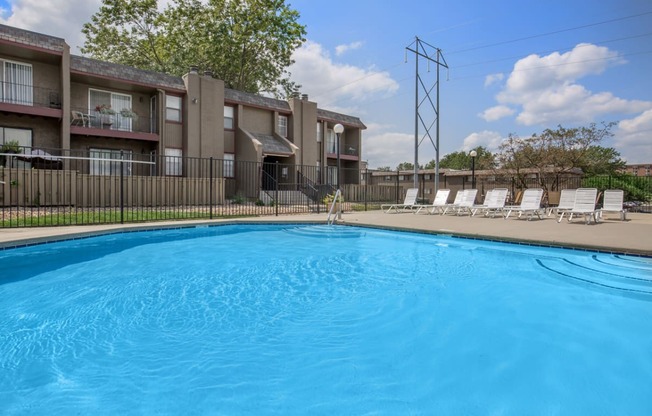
(397, 183)
(366, 182)
(210, 191)
(276, 189)
(122, 190)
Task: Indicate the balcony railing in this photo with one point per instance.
(118, 121)
(28, 95)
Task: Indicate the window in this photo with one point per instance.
(24, 139)
(17, 83)
(173, 108)
(107, 162)
(401, 177)
(173, 161)
(108, 109)
(283, 126)
(331, 142)
(426, 177)
(319, 133)
(228, 117)
(22, 136)
(229, 161)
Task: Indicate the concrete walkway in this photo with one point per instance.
(633, 236)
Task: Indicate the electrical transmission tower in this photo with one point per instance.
(425, 105)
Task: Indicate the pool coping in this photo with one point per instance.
(55, 234)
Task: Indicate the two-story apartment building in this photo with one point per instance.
(57, 102)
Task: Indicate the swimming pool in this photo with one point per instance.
(310, 319)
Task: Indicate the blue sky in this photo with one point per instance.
(514, 66)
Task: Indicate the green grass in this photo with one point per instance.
(107, 217)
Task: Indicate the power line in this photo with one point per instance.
(568, 48)
(550, 33)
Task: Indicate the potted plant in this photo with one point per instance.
(12, 146)
(128, 113)
(329, 198)
(106, 114)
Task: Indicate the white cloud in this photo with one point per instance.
(61, 18)
(490, 140)
(328, 82)
(493, 78)
(496, 112)
(340, 49)
(634, 137)
(546, 88)
(382, 147)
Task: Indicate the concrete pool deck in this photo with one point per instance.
(633, 236)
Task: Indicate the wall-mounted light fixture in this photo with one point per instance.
(195, 100)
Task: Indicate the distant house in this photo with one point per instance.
(462, 179)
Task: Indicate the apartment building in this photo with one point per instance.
(51, 99)
(639, 169)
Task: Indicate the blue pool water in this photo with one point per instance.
(296, 319)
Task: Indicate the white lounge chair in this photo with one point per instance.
(409, 202)
(494, 202)
(566, 203)
(612, 201)
(440, 201)
(468, 200)
(530, 204)
(453, 205)
(584, 205)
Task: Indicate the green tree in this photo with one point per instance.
(405, 166)
(554, 153)
(384, 169)
(461, 160)
(246, 43)
(600, 160)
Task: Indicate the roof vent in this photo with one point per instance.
(194, 69)
(304, 97)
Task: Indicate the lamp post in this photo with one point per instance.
(338, 129)
(473, 154)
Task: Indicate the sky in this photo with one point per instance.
(512, 67)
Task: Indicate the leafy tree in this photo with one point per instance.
(384, 169)
(405, 166)
(554, 153)
(600, 160)
(462, 160)
(246, 43)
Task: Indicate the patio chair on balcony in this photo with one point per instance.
(77, 118)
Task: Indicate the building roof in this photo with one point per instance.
(272, 145)
(32, 39)
(340, 118)
(124, 72)
(256, 100)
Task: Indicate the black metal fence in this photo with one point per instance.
(51, 187)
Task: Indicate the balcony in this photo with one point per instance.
(27, 99)
(123, 124)
(347, 153)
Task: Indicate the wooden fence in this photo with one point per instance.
(37, 187)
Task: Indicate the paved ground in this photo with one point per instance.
(631, 236)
